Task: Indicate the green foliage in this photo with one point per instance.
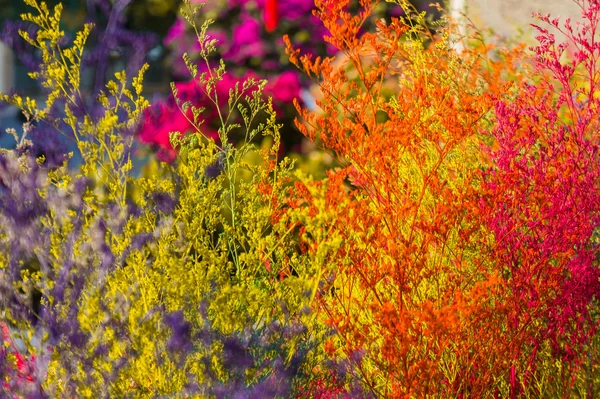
(123, 252)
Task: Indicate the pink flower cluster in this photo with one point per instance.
(243, 37)
(248, 49)
(164, 117)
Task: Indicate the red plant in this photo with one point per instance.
(543, 201)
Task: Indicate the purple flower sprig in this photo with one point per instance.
(260, 351)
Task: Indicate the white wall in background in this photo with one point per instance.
(457, 13)
(6, 68)
(506, 16)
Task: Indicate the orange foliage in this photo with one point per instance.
(411, 287)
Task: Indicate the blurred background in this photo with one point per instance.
(129, 33)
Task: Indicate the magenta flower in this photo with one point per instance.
(164, 117)
(175, 31)
(247, 41)
(285, 88)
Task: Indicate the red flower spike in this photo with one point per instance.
(271, 15)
